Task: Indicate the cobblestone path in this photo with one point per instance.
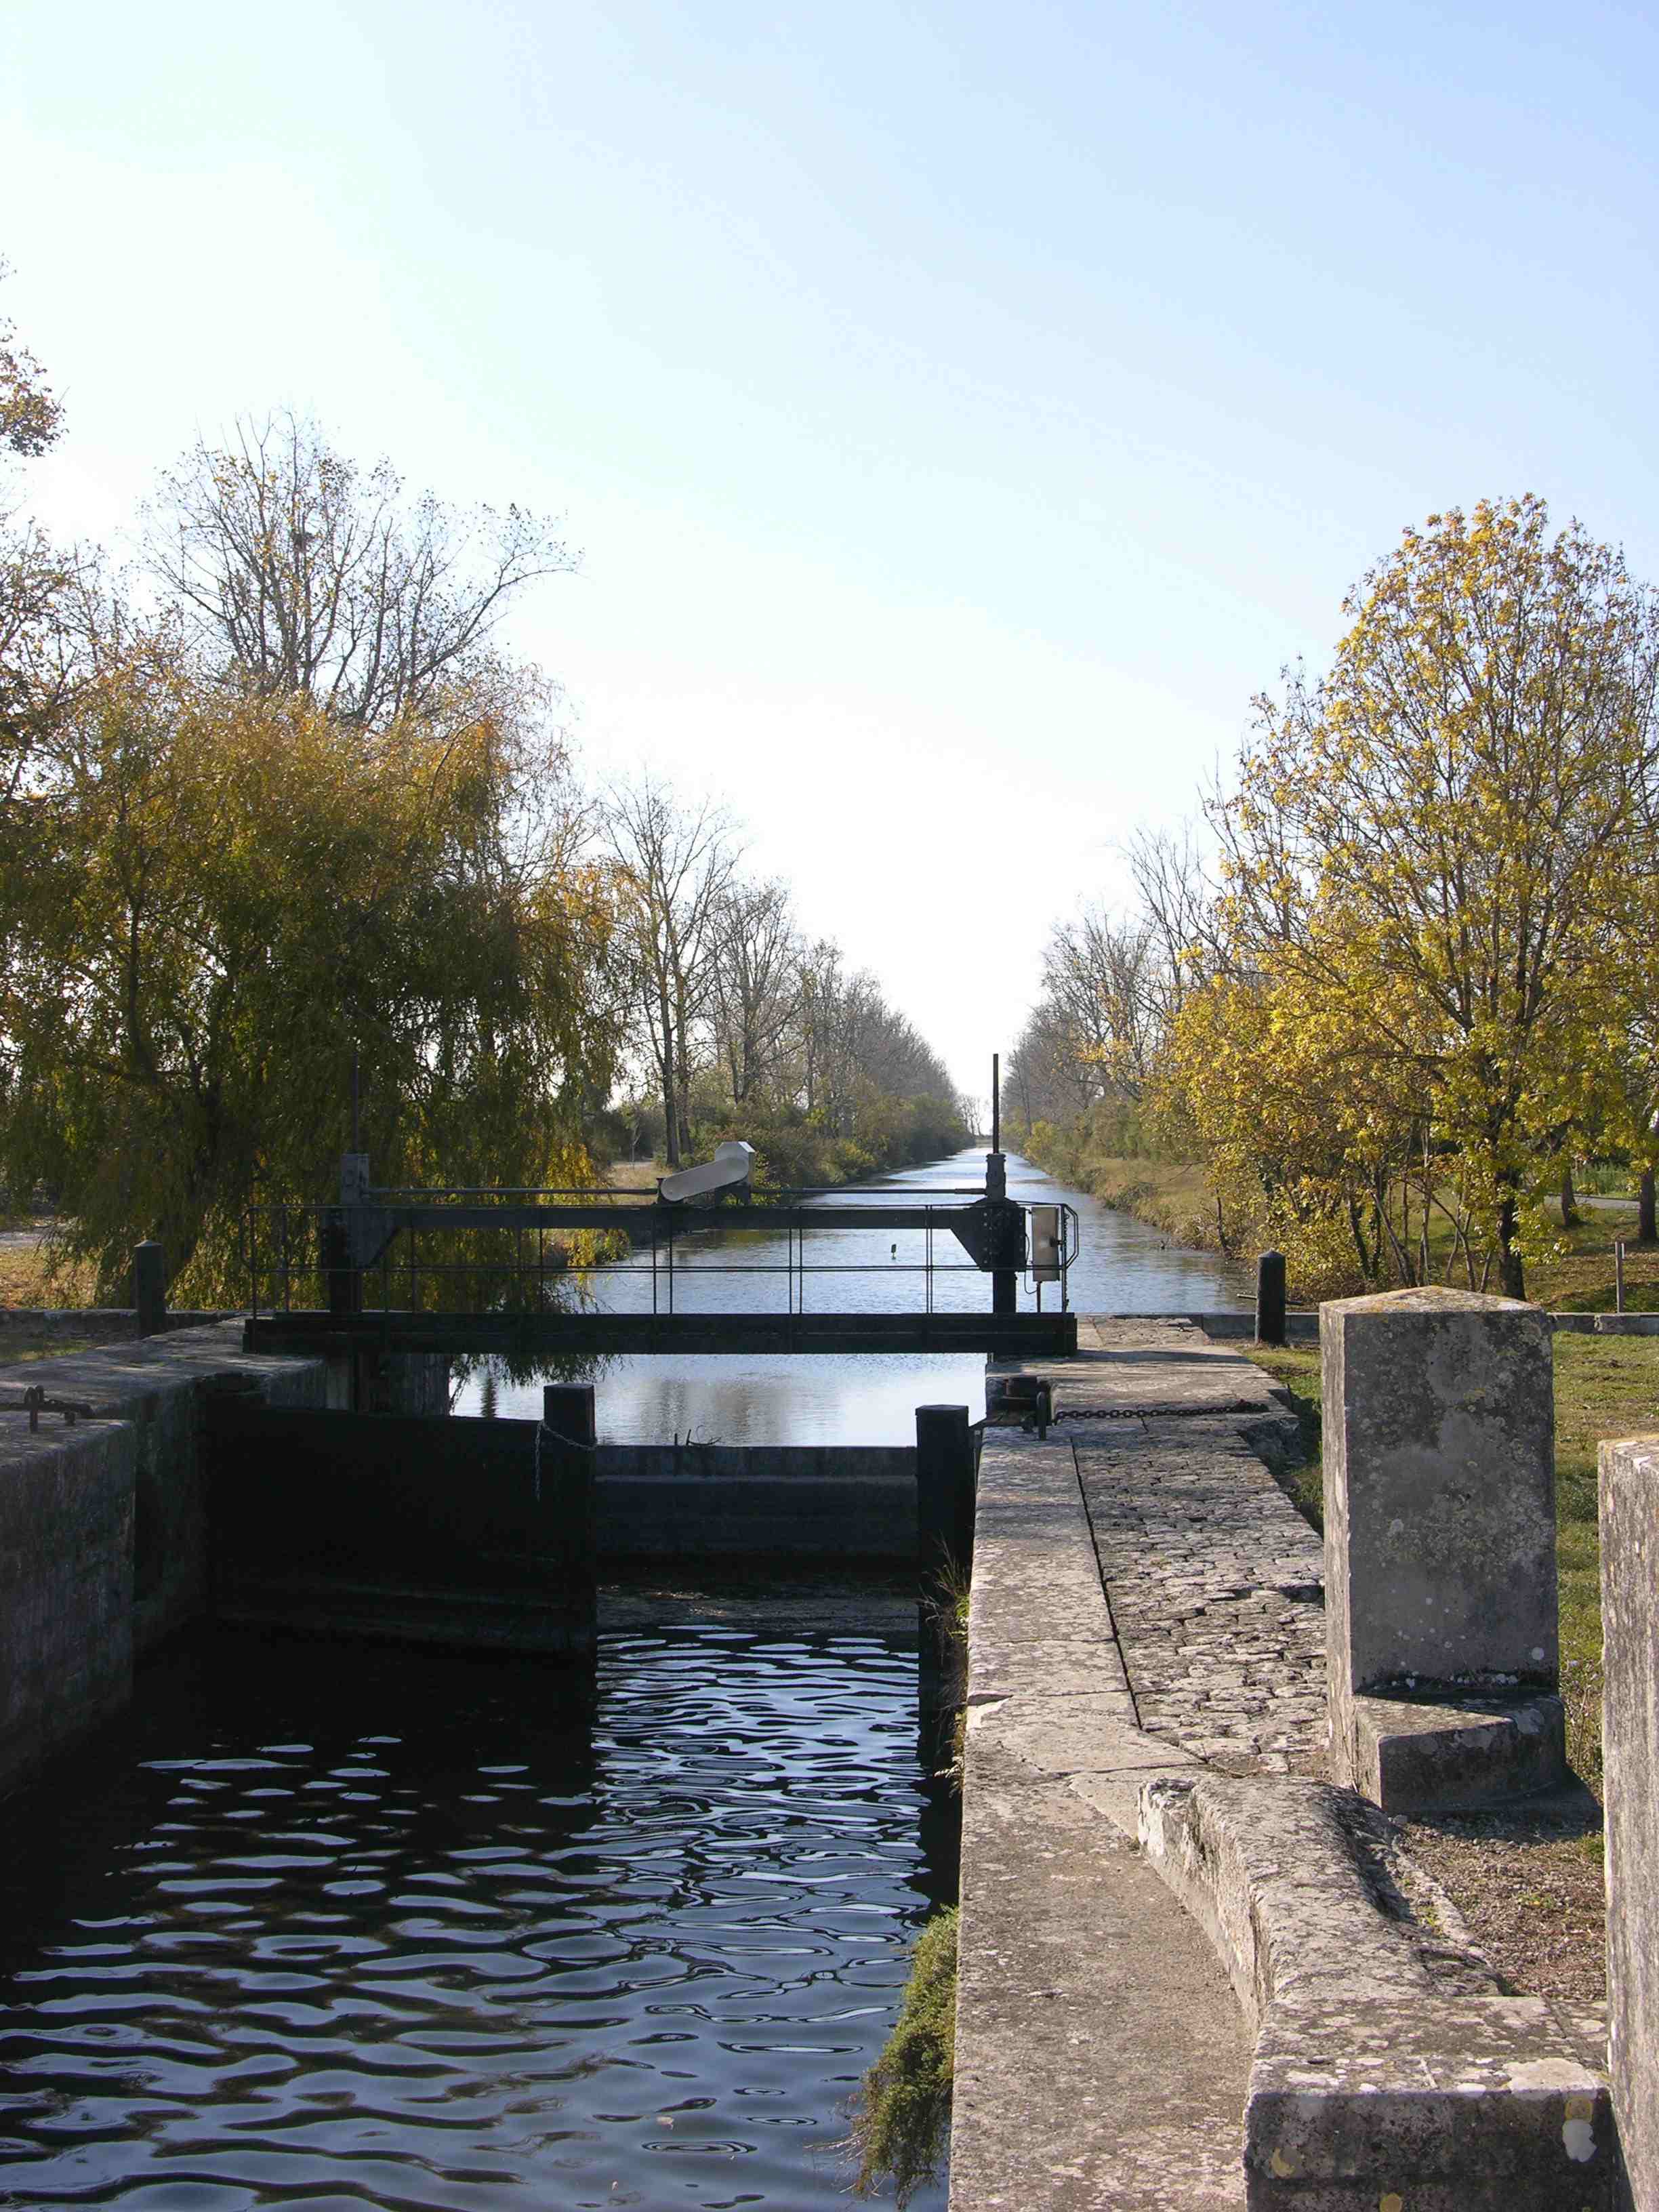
(1216, 1588)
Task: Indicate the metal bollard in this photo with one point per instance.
(944, 1489)
(1270, 1298)
(149, 1287)
(568, 1410)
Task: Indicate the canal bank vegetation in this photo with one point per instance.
(742, 1024)
(1395, 1002)
(902, 2112)
(278, 804)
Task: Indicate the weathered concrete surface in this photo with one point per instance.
(1388, 2068)
(1629, 1728)
(1388, 2060)
(1439, 1521)
(1458, 1752)
(153, 1383)
(1101, 2060)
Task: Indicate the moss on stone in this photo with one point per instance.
(901, 2113)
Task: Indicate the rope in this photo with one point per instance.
(570, 1443)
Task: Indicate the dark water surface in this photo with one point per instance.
(1123, 1266)
(339, 1927)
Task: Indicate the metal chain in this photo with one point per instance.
(570, 1443)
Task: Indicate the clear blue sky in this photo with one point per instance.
(962, 410)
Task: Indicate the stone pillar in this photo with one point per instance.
(1440, 1580)
(1629, 1732)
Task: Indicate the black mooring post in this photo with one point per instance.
(149, 1287)
(1270, 1298)
(944, 1493)
(568, 1409)
(568, 1473)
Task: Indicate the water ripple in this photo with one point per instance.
(405, 1933)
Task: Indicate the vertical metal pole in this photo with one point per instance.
(996, 1101)
(568, 1541)
(1619, 1275)
(1270, 1298)
(356, 1102)
(149, 1287)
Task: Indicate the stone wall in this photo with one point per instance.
(103, 1525)
(66, 1513)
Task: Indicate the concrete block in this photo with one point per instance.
(1630, 1622)
(1461, 1752)
(1440, 1520)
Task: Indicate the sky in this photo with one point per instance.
(961, 412)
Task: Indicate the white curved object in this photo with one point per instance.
(730, 1166)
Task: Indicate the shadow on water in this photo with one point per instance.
(338, 1926)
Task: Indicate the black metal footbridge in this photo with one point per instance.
(500, 1271)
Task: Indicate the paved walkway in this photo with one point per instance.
(1146, 1600)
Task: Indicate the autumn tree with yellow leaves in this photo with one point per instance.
(1436, 920)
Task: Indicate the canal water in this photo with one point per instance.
(342, 1928)
(1123, 1266)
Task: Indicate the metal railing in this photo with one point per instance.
(531, 1266)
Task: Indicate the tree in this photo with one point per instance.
(290, 570)
(210, 902)
(31, 419)
(755, 983)
(34, 574)
(673, 867)
(1438, 860)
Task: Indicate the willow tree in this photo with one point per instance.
(1439, 860)
(209, 902)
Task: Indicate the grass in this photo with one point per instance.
(1605, 1387)
(19, 1346)
(1296, 1370)
(26, 1280)
(1168, 1194)
(634, 1174)
(1579, 1276)
(902, 2111)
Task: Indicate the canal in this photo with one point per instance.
(1123, 1266)
(344, 1926)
